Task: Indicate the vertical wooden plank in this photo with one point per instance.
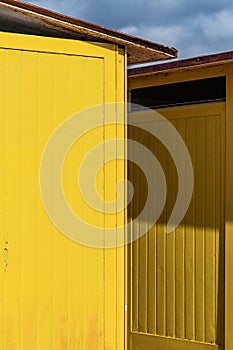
(3, 194)
(94, 258)
(60, 242)
(135, 245)
(171, 246)
(190, 242)
(121, 216)
(229, 215)
(142, 255)
(180, 255)
(13, 306)
(151, 305)
(220, 267)
(109, 193)
(29, 163)
(211, 163)
(161, 264)
(200, 228)
(45, 228)
(110, 255)
(152, 251)
(76, 251)
(131, 247)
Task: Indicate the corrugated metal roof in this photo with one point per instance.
(214, 59)
(20, 17)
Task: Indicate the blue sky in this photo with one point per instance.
(194, 27)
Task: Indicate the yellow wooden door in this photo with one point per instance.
(54, 293)
(176, 280)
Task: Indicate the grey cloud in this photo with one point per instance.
(206, 34)
(119, 13)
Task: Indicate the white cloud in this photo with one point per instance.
(217, 26)
(168, 35)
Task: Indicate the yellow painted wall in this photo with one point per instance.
(225, 300)
(54, 293)
(177, 279)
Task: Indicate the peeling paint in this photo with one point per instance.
(5, 256)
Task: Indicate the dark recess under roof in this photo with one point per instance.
(184, 93)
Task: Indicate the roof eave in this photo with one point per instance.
(139, 50)
(185, 64)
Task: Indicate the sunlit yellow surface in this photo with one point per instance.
(54, 293)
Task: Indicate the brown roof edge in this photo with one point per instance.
(169, 52)
(190, 62)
